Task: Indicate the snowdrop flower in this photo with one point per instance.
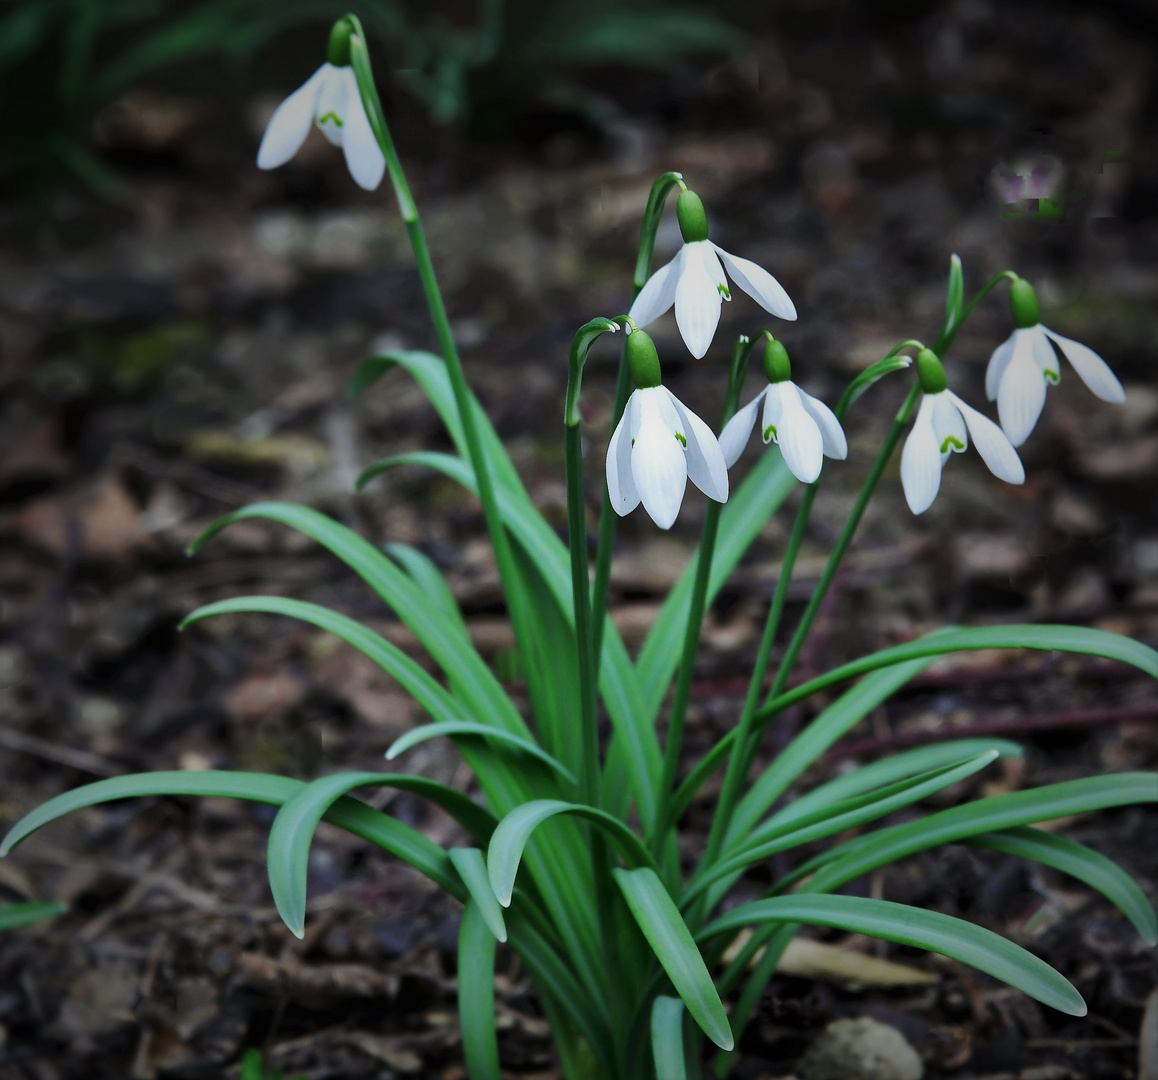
(944, 424)
(659, 444)
(330, 99)
(694, 281)
(1024, 364)
(803, 426)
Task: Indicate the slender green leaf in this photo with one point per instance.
(955, 293)
(667, 1038)
(472, 868)
(13, 916)
(293, 829)
(476, 994)
(676, 950)
(513, 832)
(460, 728)
(429, 579)
(349, 814)
(1080, 862)
(907, 925)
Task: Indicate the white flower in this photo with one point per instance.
(943, 425)
(805, 428)
(694, 281)
(656, 447)
(1025, 363)
(330, 99)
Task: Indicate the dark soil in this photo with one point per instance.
(173, 359)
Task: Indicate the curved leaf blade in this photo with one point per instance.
(13, 916)
(460, 728)
(472, 868)
(674, 947)
(476, 994)
(513, 832)
(973, 945)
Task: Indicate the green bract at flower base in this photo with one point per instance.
(573, 857)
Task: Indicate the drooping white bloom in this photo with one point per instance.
(943, 426)
(805, 428)
(657, 446)
(330, 99)
(1023, 365)
(694, 282)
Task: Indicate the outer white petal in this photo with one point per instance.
(1021, 393)
(658, 294)
(998, 362)
(738, 430)
(798, 434)
(707, 468)
(290, 124)
(995, 449)
(658, 465)
(620, 483)
(949, 426)
(333, 102)
(835, 444)
(1091, 368)
(363, 155)
(760, 285)
(697, 298)
(921, 459)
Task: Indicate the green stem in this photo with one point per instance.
(679, 707)
(608, 519)
(504, 558)
(949, 330)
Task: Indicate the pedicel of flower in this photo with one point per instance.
(330, 98)
(695, 284)
(1024, 365)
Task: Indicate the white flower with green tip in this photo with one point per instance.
(944, 426)
(658, 445)
(694, 282)
(330, 98)
(1023, 365)
(806, 430)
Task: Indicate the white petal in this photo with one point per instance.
(658, 465)
(998, 362)
(1091, 369)
(620, 483)
(738, 431)
(657, 295)
(921, 460)
(290, 124)
(835, 444)
(363, 155)
(773, 408)
(333, 103)
(798, 434)
(995, 449)
(758, 284)
(697, 299)
(707, 468)
(948, 425)
(1021, 393)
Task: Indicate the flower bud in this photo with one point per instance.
(692, 216)
(339, 51)
(1023, 304)
(930, 372)
(643, 360)
(776, 364)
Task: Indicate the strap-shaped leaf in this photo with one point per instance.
(292, 832)
(907, 925)
(476, 994)
(349, 814)
(667, 1038)
(1080, 862)
(459, 728)
(409, 674)
(672, 942)
(13, 916)
(472, 868)
(429, 579)
(513, 832)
